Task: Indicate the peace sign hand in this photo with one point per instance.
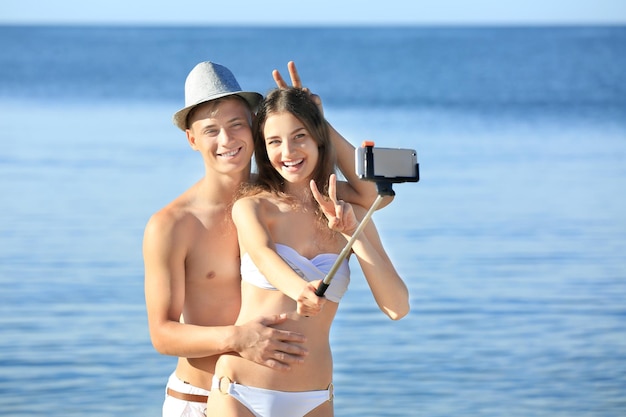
(339, 213)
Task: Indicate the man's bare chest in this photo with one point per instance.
(213, 250)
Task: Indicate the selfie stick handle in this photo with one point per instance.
(384, 188)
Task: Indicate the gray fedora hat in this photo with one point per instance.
(209, 81)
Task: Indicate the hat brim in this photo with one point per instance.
(180, 117)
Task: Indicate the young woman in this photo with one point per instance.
(290, 234)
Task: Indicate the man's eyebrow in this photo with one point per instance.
(238, 118)
(208, 125)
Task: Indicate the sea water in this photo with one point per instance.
(513, 243)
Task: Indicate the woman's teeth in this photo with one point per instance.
(292, 163)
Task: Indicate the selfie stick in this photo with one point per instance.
(384, 186)
(346, 250)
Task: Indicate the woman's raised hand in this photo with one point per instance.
(339, 213)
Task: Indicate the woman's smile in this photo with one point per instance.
(292, 166)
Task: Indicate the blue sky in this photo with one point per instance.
(295, 12)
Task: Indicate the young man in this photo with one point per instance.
(191, 253)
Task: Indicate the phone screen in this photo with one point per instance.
(394, 164)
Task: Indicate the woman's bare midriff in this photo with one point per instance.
(316, 371)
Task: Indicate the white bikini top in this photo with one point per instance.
(309, 269)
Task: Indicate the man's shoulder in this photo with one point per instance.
(168, 215)
(163, 225)
(171, 217)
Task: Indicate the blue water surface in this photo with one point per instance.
(512, 243)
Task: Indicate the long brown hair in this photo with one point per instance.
(297, 102)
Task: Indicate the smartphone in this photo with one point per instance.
(386, 164)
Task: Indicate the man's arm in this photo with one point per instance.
(164, 254)
(355, 191)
